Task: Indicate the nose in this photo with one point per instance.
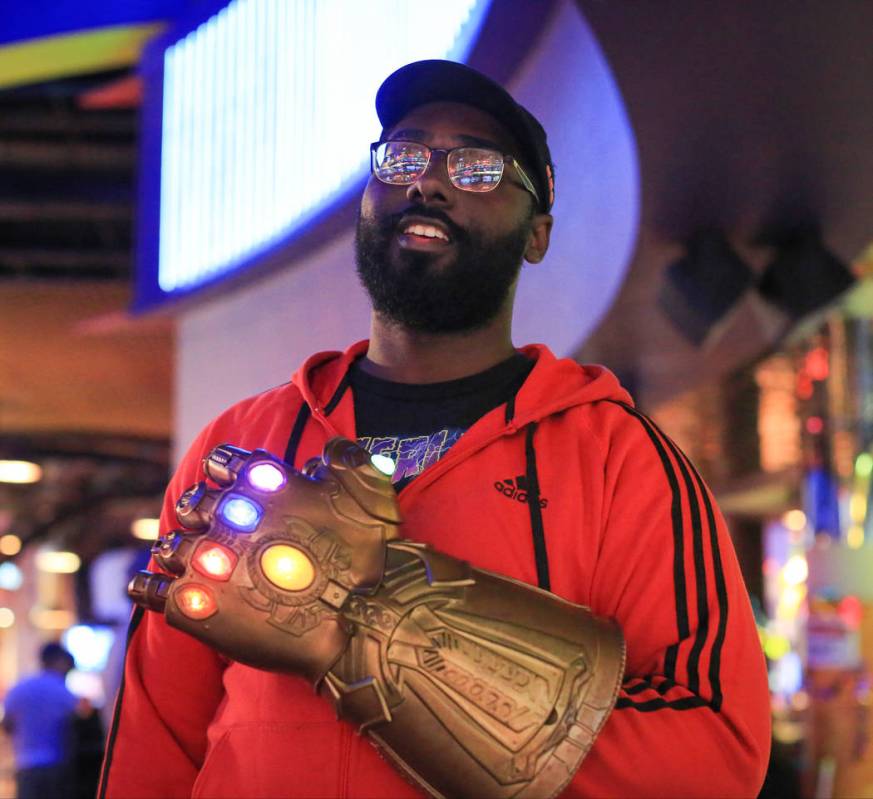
(432, 186)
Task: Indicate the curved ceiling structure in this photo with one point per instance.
(754, 119)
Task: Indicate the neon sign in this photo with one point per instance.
(265, 117)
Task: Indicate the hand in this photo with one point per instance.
(266, 560)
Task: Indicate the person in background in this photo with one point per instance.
(39, 713)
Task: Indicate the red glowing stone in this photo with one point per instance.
(195, 602)
(215, 561)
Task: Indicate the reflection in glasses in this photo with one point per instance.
(479, 169)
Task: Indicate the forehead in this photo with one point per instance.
(453, 124)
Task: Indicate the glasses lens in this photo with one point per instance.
(400, 162)
(475, 169)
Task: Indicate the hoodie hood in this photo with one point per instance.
(554, 384)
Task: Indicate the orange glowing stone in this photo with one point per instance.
(195, 602)
(287, 567)
(214, 560)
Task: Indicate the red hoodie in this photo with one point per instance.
(630, 530)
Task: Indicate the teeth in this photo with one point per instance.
(426, 230)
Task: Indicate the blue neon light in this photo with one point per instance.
(241, 513)
(267, 110)
(89, 645)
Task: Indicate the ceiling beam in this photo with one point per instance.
(29, 211)
(64, 121)
(67, 155)
(30, 260)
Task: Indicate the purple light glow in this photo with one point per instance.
(266, 477)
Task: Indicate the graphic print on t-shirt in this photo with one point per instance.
(412, 454)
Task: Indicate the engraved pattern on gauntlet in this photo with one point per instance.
(297, 612)
(491, 687)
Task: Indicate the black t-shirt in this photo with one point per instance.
(416, 424)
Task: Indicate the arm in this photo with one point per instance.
(472, 684)
(693, 715)
(168, 695)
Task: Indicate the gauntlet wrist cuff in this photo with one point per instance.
(474, 684)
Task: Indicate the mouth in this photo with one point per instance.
(423, 234)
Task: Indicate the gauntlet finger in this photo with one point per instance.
(224, 463)
(173, 551)
(150, 590)
(371, 488)
(195, 507)
(317, 469)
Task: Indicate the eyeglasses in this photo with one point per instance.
(479, 169)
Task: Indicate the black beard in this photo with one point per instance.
(466, 295)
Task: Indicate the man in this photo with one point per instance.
(517, 462)
(39, 714)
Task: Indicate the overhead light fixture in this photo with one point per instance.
(57, 562)
(804, 276)
(701, 287)
(7, 618)
(10, 545)
(20, 472)
(145, 529)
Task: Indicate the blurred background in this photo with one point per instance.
(178, 186)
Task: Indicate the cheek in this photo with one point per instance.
(367, 201)
(379, 199)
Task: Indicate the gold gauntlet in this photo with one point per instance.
(474, 684)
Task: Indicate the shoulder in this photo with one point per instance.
(629, 447)
(278, 398)
(15, 693)
(616, 427)
(250, 423)
(253, 416)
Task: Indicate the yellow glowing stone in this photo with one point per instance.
(287, 567)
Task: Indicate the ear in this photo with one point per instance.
(538, 241)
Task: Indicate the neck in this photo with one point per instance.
(406, 356)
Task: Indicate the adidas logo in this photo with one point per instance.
(517, 489)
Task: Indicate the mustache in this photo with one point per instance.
(392, 222)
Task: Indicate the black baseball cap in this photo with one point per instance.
(447, 81)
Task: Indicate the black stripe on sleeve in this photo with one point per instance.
(699, 571)
(135, 619)
(648, 684)
(297, 433)
(682, 625)
(685, 703)
(721, 594)
(692, 478)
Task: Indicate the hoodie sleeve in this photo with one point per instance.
(693, 717)
(170, 690)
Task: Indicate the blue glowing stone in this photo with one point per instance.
(241, 513)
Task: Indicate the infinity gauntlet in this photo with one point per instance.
(472, 684)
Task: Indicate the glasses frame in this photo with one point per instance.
(526, 182)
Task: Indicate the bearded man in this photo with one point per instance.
(470, 615)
